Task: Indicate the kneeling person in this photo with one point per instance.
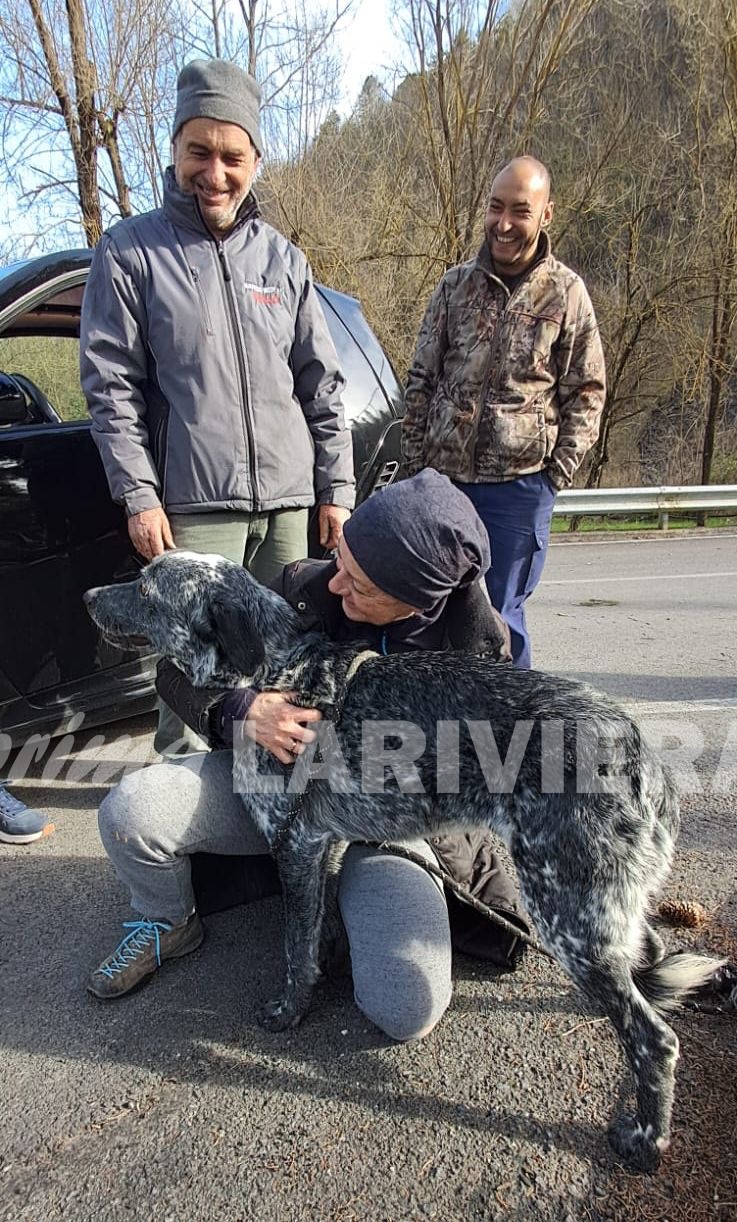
(408, 575)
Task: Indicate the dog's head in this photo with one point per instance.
(205, 613)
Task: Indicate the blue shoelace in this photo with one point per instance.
(142, 934)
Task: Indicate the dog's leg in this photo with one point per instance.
(302, 868)
(652, 1051)
(333, 955)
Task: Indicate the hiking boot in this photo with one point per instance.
(18, 823)
(142, 952)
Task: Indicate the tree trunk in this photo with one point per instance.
(109, 137)
(86, 153)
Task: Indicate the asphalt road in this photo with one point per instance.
(174, 1104)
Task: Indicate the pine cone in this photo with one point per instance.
(688, 913)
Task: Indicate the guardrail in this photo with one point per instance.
(662, 500)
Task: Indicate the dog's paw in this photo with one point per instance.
(279, 1015)
(638, 1148)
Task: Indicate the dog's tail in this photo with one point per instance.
(667, 983)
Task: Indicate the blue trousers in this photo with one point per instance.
(517, 514)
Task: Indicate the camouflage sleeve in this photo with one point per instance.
(422, 380)
(581, 387)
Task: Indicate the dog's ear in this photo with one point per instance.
(243, 651)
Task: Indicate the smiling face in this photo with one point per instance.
(363, 601)
(519, 208)
(216, 162)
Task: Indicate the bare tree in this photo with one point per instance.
(620, 138)
(718, 188)
(86, 92)
(288, 46)
(481, 70)
(73, 73)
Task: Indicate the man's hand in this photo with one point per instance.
(330, 520)
(280, 726)
(150, 533)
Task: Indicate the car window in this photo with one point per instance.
(50, 363)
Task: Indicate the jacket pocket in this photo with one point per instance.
(552, 429)
(450, 431)
(512, 440)
(204, 307)
(538, 552)
(529, 350)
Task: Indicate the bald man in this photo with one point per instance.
(507, 386)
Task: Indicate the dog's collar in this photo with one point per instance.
(298, 805)
(364, 656)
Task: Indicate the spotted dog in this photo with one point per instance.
(558, 770)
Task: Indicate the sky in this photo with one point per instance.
(369, 47)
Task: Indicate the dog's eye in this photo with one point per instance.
(143, 590)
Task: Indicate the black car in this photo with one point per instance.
(60, 533)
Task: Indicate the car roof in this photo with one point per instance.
(21, 277)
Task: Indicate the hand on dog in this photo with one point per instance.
(281, 726)
(150, 533)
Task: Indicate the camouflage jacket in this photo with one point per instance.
(505, 384)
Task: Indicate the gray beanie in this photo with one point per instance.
(218, 89)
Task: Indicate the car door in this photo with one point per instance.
(373, 398)
(60, 533)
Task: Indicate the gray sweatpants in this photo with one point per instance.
(394, 912)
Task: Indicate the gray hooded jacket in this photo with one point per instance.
(208, 367)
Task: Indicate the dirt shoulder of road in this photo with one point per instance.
(655, 536)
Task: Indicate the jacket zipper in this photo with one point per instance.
(503, 351)
(242, 366)
(485, 380)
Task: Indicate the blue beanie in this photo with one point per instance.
(419, 539)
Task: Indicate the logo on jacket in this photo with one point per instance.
(264, 294)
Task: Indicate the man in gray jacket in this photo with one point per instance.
(208, 368)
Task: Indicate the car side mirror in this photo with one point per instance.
(13, 406)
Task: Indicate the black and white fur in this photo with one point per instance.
(588, 863)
